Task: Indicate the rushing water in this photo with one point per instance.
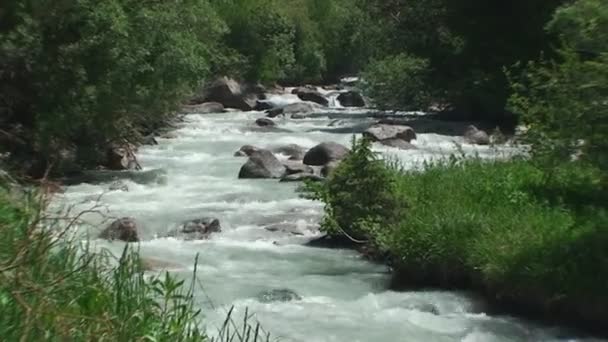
(344, 298)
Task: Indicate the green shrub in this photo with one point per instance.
(359, 195)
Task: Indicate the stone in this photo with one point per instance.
(230, 94)
(302, 109)
(199, 229)
(262, 164)
(278, 295)
(204, 108)
(121, 157)
(263, 105)
(381, 132)
(475, 136)
(351, 99)
(246, 151)
(324, 153)
(119, 186)
(294, 151)
(398, 143)
(265, 122)
(312, 96)
(124, 229)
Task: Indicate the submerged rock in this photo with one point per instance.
(119, 186)
(152, 264)
(278, 295)
(262, 164)
(473, 135)
(198, 229)
(124, 229)
(324, 153)
(380, 132)
(265, 122)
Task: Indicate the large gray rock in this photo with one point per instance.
(299, 108)
(246, 151)
(262, 164)
(204, 108)
(398, 143)
(324, 153)
(124, 229)
(230, 93)
(294, 151)
(311, 95)
(199, 229)
(351, 99)
(473, 135)
(380, 132)
(293, 167)
(121, 157)
(278, 295)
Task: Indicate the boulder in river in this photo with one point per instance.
(301, 108)
(198, 229)
(278, 295)
(121, 157)
(473, 135)
(265, 122)
(204, 108)
(311, 95)
(398, 143)
(324, 153)
(230, 93)
(246, 151)
(380, 132)
(294, 151)
(119, 186)
(293, 167)
(124, 229)
(262, 164)
(263, 105)
(351, 99)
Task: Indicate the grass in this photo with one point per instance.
(53, 289)
(521, 234)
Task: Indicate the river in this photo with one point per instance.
(343, 297)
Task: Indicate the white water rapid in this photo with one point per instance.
(343, 297)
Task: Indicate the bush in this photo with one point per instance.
(501, 226)
(359, 195)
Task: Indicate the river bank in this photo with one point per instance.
(265, 227)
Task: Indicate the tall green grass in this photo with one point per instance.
(53, 289)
